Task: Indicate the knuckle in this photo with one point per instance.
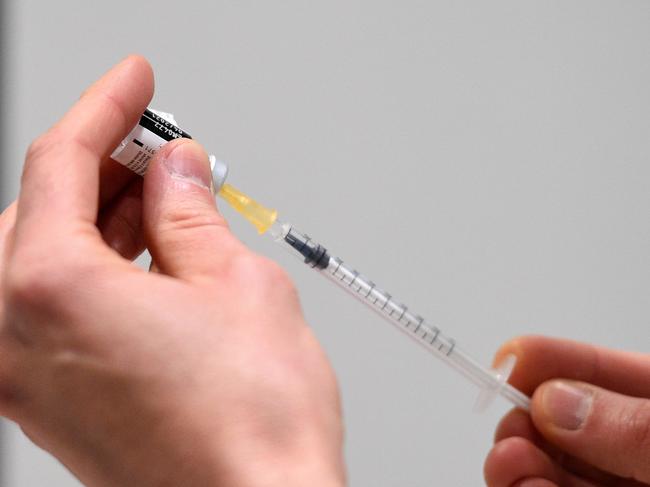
(255, 271)
(41, 145)
(274, 276)
(30, 286)
(45, 145)
(114, 109)
(186, 216)
(34, 280)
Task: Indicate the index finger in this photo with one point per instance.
(541, 358)
(60, 184)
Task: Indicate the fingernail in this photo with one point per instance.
(187, 162)
(566, 405)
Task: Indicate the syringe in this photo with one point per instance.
(491, 382)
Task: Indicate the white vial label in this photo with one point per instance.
(153, 131)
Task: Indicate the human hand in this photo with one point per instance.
(202, 373)
(589, 423)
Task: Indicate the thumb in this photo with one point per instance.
(186, 235)
(609, 430)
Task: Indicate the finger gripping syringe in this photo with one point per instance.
(491, 382)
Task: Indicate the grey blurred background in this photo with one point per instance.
(487, 162)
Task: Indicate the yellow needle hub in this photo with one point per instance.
(259, 216)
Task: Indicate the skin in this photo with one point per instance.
(203, 372)
(609, 447)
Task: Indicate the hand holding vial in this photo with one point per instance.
(202, 373)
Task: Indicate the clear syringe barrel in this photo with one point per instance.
(429, 336)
